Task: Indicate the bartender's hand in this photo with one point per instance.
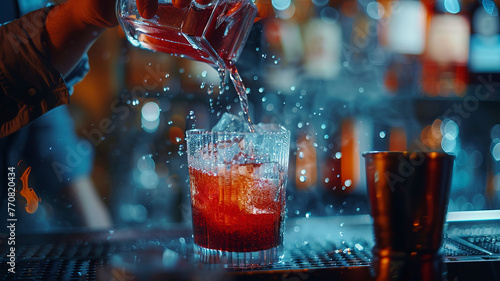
(72, 27)
(101, 13)
(147, 8)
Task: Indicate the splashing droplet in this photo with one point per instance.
(210, 90)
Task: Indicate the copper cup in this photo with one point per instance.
(408, 194)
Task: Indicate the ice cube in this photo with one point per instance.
(264, 127)
(239, 158)
(247, 191)
(243, 148)
(231, 123)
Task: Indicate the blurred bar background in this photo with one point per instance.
(344, 76)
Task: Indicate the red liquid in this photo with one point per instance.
(212, 34)
(217, 33)
(236, 215)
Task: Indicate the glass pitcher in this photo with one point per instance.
(214, 33)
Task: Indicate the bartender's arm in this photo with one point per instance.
(42, 47)
(73, 27)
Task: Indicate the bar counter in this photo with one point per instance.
(333, 248)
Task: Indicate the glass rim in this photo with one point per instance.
(193, 132)
(393, 154)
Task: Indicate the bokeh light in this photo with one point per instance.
(281, 5)
(150, 111)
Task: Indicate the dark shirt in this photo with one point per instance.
(29, 85)
(36, 127)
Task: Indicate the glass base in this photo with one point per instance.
(238, 259)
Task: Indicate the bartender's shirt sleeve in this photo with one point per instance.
(29, 84)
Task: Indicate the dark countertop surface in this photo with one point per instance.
(315, 249)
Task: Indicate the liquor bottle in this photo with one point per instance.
(444, 63)
(403, 34)
(484, 55)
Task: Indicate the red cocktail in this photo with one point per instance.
(240, 215)
(238, 195)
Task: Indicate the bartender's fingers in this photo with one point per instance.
(181, 4)
(147, 8)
